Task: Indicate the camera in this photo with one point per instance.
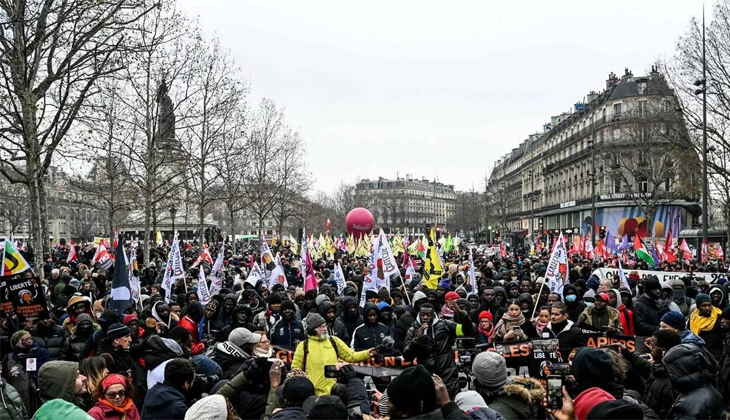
(330, 371)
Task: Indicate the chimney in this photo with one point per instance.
(591, 96)
(612, 79)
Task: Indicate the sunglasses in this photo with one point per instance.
(114, 395)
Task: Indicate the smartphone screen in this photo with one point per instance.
(555, 392)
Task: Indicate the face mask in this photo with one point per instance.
(570, 298)
(679, 294)
(589, 304)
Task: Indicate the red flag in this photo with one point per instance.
(660, 251)
(503, 250)
(588, 248)
(204, 256)
(327, 226)
(686, 253)
(669, 250)
(72, 253)
(704, 251)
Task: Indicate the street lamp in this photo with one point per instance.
(703, 90)
(173, 212)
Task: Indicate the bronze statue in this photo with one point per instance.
(165, 120)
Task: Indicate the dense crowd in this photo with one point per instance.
(170, 357)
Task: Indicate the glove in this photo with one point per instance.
(345, 374)
(378, 357)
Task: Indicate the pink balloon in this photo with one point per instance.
(359, 222)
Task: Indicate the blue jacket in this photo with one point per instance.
(287, 334)
(163, 402)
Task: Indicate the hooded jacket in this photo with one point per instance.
(687, 370)
(576, 307)
(367, 335)
(350, 323)
(320, 354)
(569, 337)
(226, 331)
(407, 319)
(171, 320)
(226, 319)
(50, 339)
(613, 318)
(647, 314)
(164, 402)
(519, 398)
(11, 404)
(160, 350)
(658, 393)
(70, 322)
(434, 349)
(335, 328)
(25, 382)
(58, 380)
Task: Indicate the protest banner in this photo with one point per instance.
(664, 276)
(27, 298)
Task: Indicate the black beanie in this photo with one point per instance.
(413, 391)
(651, 283)
(592, 366)
(274, 299)
(616, 409)
(288, 304)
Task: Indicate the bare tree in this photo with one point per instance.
(213, 119)
(468, 212)
(52, 53)
(276, 165)
(14, 212)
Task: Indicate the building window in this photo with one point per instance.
(616, 185)
(642, 88)
(642, 108)
(643, 184)
(616, 133)
(617, 109)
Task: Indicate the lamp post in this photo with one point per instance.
(173, 212)
(703, 90)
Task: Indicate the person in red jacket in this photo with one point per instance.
(626, 316)
(114, 400)
(191, 317)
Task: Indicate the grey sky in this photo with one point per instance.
(435, 89)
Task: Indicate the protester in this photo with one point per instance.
(12, 407)
(704, 321)
(115, 400)
(688, 370)
(415, 393)
(22, 367)
(167, 400)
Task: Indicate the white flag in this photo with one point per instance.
(216, 273)
(472, 278)
(339, 278)
(133, 280)
(174, 270)
(373, 277)
(390, 266)
(622, 276)
(203, 292)
(557, 267)
(272, 272)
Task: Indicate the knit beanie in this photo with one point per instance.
(677, 282)
(15, 338)
(469, 399)
(674, 320)
(592, 366)
(212, 407)
(588, 399)
(651, 283)
(490, 369)
(419, 295)
(725, 314)
(274, 299)
(702, 298)
(485, 314)
(320, 298)
(313, 320)
(413, 391)
(288, 304)
(117, 330)
(451, 296)
(84, 318)
(383, 294)
(589, 294)
(445, 283)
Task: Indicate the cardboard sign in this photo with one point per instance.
(27, 298)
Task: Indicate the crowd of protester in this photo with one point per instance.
(184, 360)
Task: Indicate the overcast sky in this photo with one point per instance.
(434, 89)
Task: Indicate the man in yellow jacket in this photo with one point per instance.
(320, 350)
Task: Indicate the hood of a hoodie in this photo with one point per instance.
(368, 307)
(688, 337)
(238, 309)
(346, 303)
(87, 306)
(325, 306)
(57, 379)
(162, 344)
(719, 289)
(157, 316)
(569, 288)
(525, 297)
(687, 368)
(417, 297)
(232, 297)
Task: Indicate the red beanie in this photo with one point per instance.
(589, 399)
(451, 296)
(485, 314)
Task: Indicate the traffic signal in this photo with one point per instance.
(602, 232)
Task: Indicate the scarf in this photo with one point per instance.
(507, 322)
(539, 326)
(699, 323)
(446, 311)
(128, 404)
(486, 333)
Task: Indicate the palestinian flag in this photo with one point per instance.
(642, 252)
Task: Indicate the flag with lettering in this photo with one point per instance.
(102, 257)
(216, 272)
(72, 253)
(557, 267)
(174, 270)
(121, 295)
(203, 292)
(339, 279)
(133, 279)
(433, 270)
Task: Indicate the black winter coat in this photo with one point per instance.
(569, 337)
(724, 382)
(658, 394)
(163, 402)
(434, 349)
(687, 369)
(76, 348)
(350, 323)
(229, 357)
(367, 336)
(50, 339)
(647, 315)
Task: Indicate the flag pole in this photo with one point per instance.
(538, 298)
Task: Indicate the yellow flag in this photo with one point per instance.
(432, 269)
(351, 247)
(293, 245)
(158, 238)
(13, 262)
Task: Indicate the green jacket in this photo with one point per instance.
(57, 379)
(11, 406)
(320, 354)
(60, 409)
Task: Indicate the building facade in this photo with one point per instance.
(621, 141)
(407, 205)
(72, 213)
